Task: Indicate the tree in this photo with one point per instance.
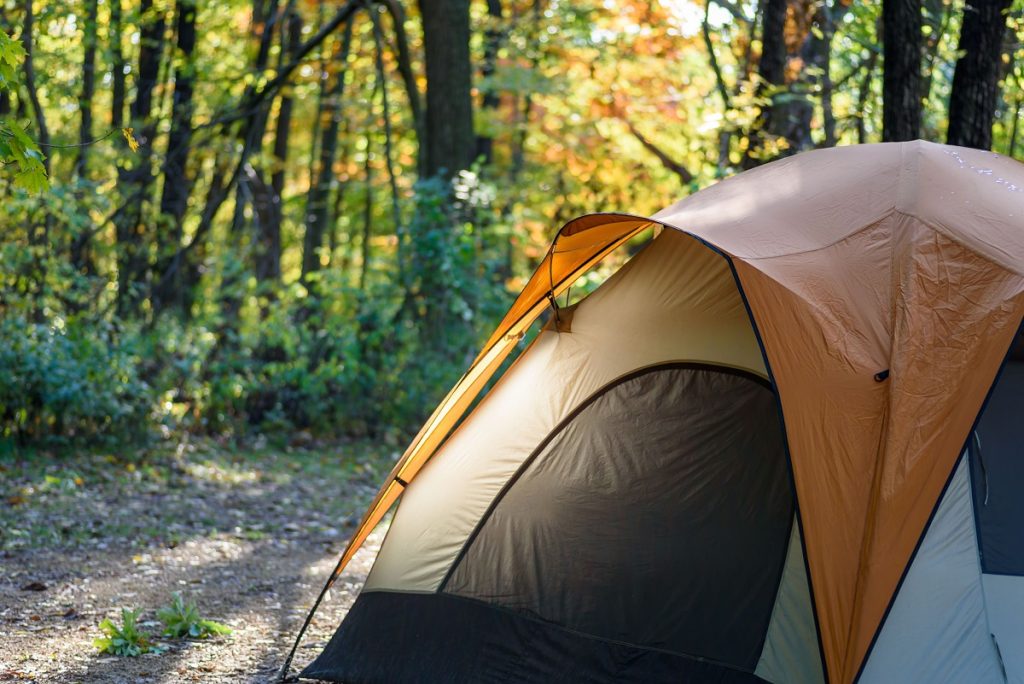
(88, 88)
(177, 187)
(493, 37)
(449, 138)
(772, 75)
(975, 94)
(330, 111)
(901, 80)
(137, 176)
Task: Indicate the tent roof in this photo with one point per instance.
(816, 199)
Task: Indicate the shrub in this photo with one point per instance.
(62, 381)
(182, 620)
(125, 640)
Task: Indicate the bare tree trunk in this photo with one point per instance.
(901, 80)
(117, 66)
(88, 88)
(250, 117)
(449, 120)
(412, 92)
(975, 94)
(132, 239)
(268, 254)
(40, 235)
(827, 26)
(863, 96)
(177, 187)
(79, 247)
(364, 266)
(725, 134)
(772, 70)
(493, 37)
(5, 95)
(317, 207)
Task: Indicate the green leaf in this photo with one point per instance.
(32, 180)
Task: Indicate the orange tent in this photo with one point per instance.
(866, 296)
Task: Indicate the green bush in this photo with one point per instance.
(125, 640)
(334, 356)
(61, 380)
(182, 620)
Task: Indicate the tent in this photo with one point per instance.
(781, 444)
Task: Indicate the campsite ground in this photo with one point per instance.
(249, 535)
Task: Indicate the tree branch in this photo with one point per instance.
(675, 167)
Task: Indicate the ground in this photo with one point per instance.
(249, 535)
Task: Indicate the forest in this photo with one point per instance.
(265, 217)
(247, 245)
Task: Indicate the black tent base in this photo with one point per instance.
(392, 638)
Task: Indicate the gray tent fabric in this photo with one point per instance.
(1004, 603)
(937, 631)
(658, 515)
(791, 652)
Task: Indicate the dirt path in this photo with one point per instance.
(249, 538)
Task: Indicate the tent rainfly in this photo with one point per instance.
(783, 443)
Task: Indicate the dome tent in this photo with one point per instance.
(771, 448)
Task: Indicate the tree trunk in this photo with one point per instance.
(268, 256)
(177, 187)
(88, 88)
(38, 234)
(901, 79)
(772, 70)
(266, 16)
(117, 66)
(493, 37)
(132, 240)
(449, 118)
(317, 207)
(975, 94)
(827, 26)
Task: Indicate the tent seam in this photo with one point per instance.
(729, 259)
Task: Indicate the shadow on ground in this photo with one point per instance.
(257, 568)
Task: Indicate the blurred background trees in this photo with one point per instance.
(269, 216)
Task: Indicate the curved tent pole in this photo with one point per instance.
(579, 256)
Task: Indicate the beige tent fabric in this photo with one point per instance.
(675, 301)
(590, 240)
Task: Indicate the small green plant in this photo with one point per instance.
(125, 640)
(182, 620)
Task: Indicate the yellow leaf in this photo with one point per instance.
(129, 136)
